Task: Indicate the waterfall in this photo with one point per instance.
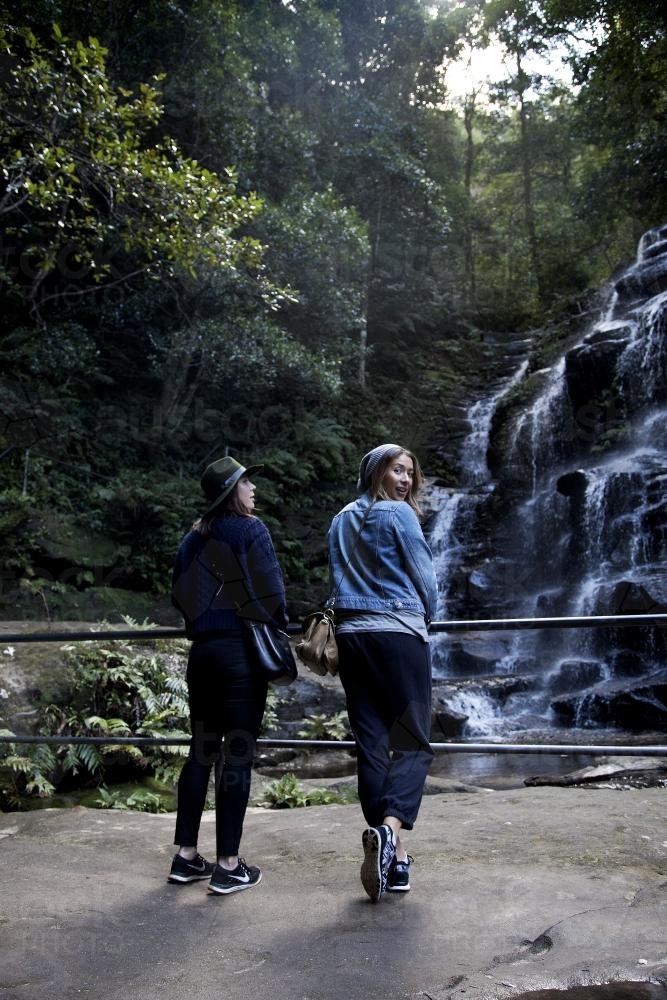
(534, 449)
(642, 367)
(584, 532)
(450, 536)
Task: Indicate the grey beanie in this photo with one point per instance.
(370, 462)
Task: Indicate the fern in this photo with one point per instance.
(287, 793)
(113, 727)
(23, 774)
(140, 801)
(118, 690)
(38, 785)
(324, 727)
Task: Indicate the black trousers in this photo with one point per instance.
(387, 681)
(227, 699)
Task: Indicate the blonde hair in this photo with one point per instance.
(377, 490)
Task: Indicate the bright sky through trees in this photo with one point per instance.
(479, 68)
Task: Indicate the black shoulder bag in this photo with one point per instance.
(273, 653)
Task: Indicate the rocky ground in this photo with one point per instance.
(514, 890)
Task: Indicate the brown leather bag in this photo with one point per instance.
(317, 647)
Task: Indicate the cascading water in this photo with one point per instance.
(450, 537)
(575, 524)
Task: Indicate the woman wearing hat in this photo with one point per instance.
(382, 576)
(225, 571)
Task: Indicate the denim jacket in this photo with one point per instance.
(391, 566)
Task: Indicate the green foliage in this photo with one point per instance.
(316, 448)
(138, 801)
(319, 246)
(82, 186)
(270, 719)
(287, 793)
(145, 520)
(45, 590)
(118, 690)
(325, 727)
(15, 515)
(24, 770)
(619, 67)
(208, 206)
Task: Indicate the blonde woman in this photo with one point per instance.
(385, 601)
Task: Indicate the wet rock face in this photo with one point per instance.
(647, 278)
(631, 705)
(573, 484)
(590, 369)
(571, 519)
(575, 674)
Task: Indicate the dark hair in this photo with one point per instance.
(377, 490)
(230, 507)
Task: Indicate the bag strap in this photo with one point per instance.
(331, 600)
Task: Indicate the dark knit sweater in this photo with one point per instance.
(226, 576)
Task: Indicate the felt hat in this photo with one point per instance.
(221, 477)
(370, 462)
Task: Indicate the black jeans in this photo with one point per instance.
(227, 699)
(387, 682)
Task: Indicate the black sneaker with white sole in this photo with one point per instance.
(242, 877)
(379, 844)
(195, 870)
(398, 876)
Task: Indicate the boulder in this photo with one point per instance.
(572, 484)
(573, 675)
(633, 771)
(631, 704)
(447, 722)
(643, 281)
(590, 370)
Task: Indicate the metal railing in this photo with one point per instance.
(460, 625)
(646, 620)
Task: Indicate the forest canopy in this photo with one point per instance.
(270, 228)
